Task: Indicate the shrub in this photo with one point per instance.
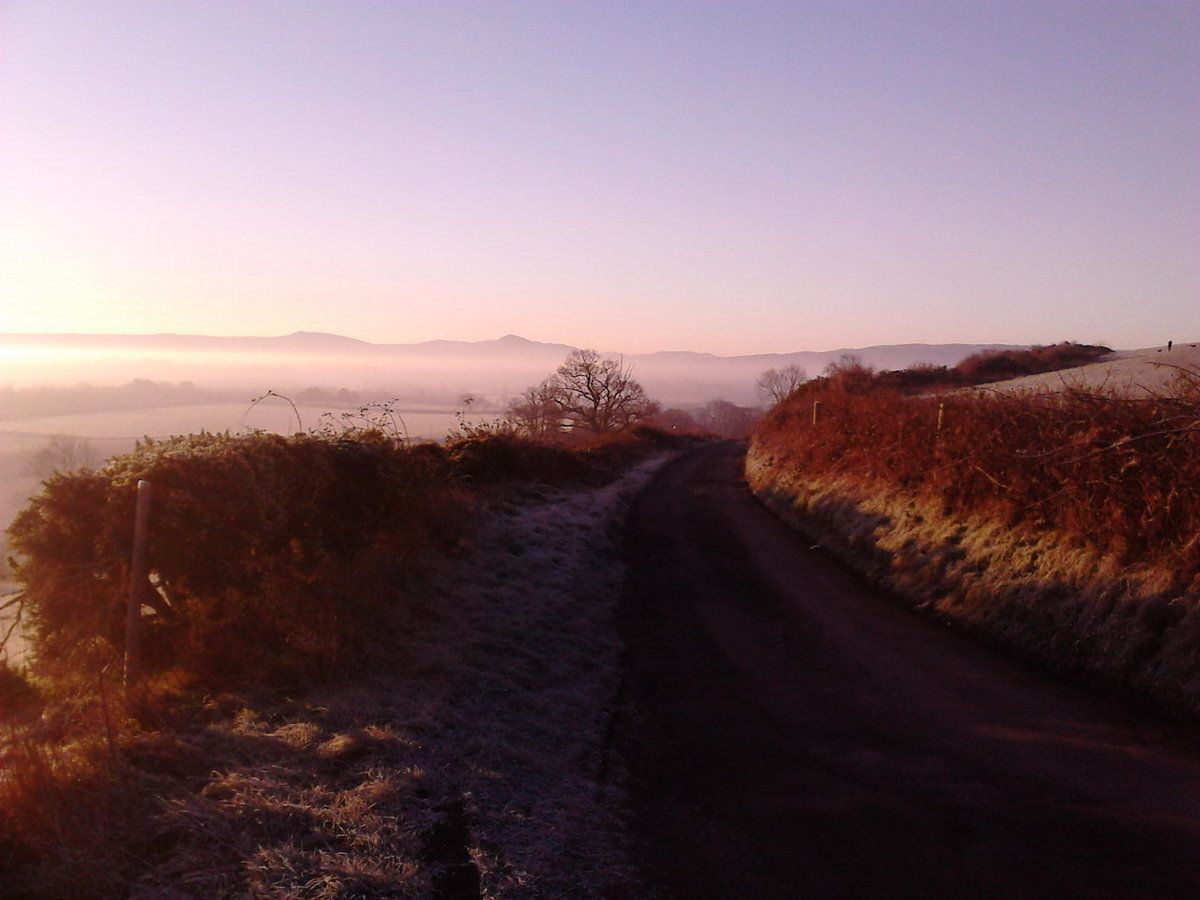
(250, 545)
(482, 459)
(269, 555)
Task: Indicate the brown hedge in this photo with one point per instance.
(1121, 474)
(270, 556)
(251, 547)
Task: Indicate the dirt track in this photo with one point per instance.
(793, 733)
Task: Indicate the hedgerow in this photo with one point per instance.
(1118, 473)
(997, 365)
(1065, 526)
(250, 539)
(269, 556)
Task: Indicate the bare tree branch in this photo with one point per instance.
(776, 385)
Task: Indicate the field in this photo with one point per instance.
(1148, 371)
(423, 423)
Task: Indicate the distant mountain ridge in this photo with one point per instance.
(317, 341)
(505, 364)
(306, 341)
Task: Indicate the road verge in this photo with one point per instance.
(1038, 591)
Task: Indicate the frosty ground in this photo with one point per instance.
(469, 759)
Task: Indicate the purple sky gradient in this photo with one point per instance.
(727, 177)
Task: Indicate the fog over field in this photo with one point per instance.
(505, 449)
(113, 389)
(104, 392)
(433, 371)
(110, 390)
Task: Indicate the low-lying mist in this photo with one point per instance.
(441, 372)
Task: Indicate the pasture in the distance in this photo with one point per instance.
(1151, 370)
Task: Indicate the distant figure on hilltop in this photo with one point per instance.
(1169, 343)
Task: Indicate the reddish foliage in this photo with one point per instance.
(997, 365)
(248, 537)
(979, 368)
(1120, 473)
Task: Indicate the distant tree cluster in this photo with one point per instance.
(591, 394)
(316, 396)
(676, 421)
(728, 420)
(141, 393)
(588, 393)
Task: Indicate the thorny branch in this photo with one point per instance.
(256, 400)
(1122, 442)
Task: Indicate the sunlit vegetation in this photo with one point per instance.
(994, 365)
(979, 368)
(997, 365)
(1065, 522)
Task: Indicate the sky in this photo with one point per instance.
(725, 177)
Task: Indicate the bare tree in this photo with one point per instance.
(599, 394)
(62, 453)
(776, 385)
(849, 373)
(538, 412)
(588, 392)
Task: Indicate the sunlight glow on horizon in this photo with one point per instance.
(631, 177)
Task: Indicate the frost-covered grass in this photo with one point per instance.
(465, 753)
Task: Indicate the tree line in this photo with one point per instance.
(591, 395)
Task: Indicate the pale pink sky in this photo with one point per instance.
(735, 178)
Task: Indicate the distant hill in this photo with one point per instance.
(493, 369)
(299, 341)
(1150, 370)
(696, 376)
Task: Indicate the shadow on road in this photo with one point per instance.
(789, 732)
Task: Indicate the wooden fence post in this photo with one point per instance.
(816, 410)
(138, 579)
(941, 416)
